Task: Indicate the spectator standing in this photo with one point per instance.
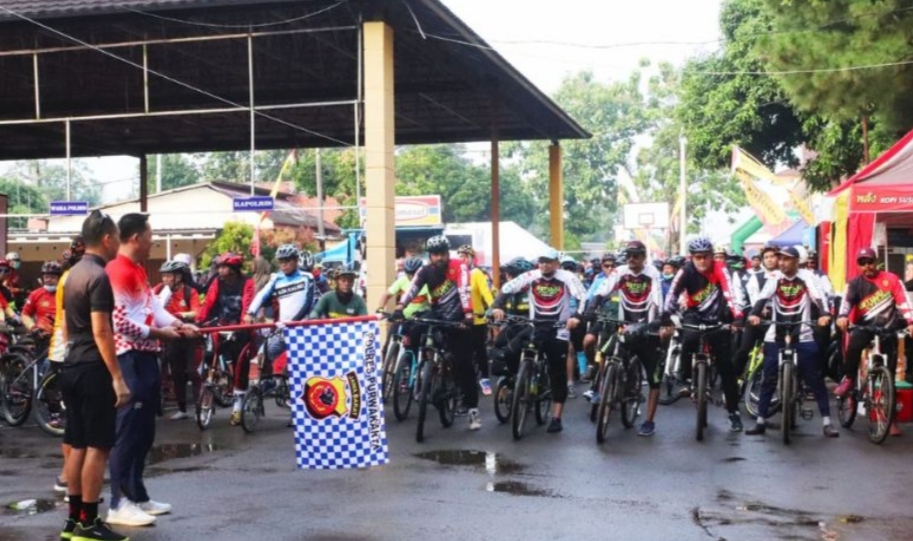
(140, 322)
(91, 380)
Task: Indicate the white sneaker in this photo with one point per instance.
(154, 508)
(180, 415)
(475, 420)
(128, 514)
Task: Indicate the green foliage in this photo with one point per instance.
(50, 179)
(177, 170)
(22, 199)
(234, 237)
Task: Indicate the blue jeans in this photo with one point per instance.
(135, 426)
(809, 365)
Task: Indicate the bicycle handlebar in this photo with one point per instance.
(786, 323)
(705, 327)
(881, 331)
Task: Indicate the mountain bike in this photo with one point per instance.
(702, 370)
(405, 374)
(435, 385)
(874, 395)
(673, 386)
(217, 375)
(268, 378)
(532, 389)
(606, 342)
(622, 381)
(26, 383)
(751, 385)
(789, 385)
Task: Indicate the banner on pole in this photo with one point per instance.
(337, 405)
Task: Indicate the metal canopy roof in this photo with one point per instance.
(194, 92)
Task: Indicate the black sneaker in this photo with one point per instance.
(757, 430)
(97, 531)
(830, 431)
(554, 426)
(68, 527)
(735, 422)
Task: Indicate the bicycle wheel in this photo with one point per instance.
(700, 377)
(402, 389)
(15, 390)
(543, 396)
(606, 400)
(223, 391)
(447, 401)
(389, 370)
(283, 395)
(882, 403)
(752, 392)
(788, 400)
(630, 405)
(205, 406)
(520, 407)
(597, 390)
(426, 370)
(846, 408)
(49, 407)
(251, 409)
(503, 397)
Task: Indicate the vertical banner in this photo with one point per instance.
(334, 379)
(838, 267)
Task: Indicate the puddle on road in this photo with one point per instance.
(517, 488)
(492, 462)
(16, 453)
(31, 507)
(170, 451)
(734, 459)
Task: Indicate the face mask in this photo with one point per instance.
(668, 276)
(50, 289)
(15, 264)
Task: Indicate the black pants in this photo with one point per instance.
(647, 349)
(555, 352)
(720, 344)
(505, 355)
(180, 358)
(859, 340)
(459, 343)
(479, 335)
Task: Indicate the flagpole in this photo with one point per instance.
(683, 194)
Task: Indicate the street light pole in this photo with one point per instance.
(683, 194)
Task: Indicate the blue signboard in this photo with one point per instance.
(69, 208)
(256, 203)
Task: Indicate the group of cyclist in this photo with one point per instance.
(745, 303)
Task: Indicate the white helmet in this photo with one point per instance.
(803, 254)
(13, 256)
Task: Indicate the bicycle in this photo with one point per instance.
(435, 384)
(703, 377)
(24, 386)
(218, 377)
(874, 393)
(405, 375)
(621, 382)
(605, 341)
(275, 384)
(751, 385)
(673, 386)
(532, 389)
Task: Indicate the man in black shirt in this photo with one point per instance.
(90, 380)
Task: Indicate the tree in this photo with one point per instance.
(22, 199)
(177, 170)
(51, 180)
(234, 237)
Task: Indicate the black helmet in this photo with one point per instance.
(437, 244)
(51, 267)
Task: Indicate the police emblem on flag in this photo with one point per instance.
(334, 373)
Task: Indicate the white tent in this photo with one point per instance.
(514, 242)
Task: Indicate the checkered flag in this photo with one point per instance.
(337, 403)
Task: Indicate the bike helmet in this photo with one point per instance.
(173, 267)
(51, 267)
(230, 259)
(568, 263)
(345, 271)
(466, 250)
(608, 257)
(412, 265)
(306, 260)
(288, 251)
(549, 254)
(658, 264)
(186, 259)
(700, 245)
(677, 262)
(437, 244)
(13, 256)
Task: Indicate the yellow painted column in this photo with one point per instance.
(379, 158)
(556, 195)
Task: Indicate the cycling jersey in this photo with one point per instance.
(226, 302)
(640, 293)
(706, 295)
(792, 299)
(41, 306)
(333, 305)
(448, 290)
(480, 293)
(136, 309)
(185, 299)
(295, 293)
(756, 283)
(595, 285)
(419, 303)
(550, 296)
(879, 301)
(58, 347)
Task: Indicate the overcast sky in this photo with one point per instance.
(546, 40)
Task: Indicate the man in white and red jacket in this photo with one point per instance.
(140, 323)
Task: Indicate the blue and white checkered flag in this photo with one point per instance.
(337, 403)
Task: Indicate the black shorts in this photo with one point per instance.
(88, 395)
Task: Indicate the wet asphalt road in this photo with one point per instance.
(229, 486)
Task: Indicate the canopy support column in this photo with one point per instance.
(143, 183)
(379, 158)
(495, 207)
(556, 195)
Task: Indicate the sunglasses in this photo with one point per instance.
(865, 262)
(608, 265)
(700, 257)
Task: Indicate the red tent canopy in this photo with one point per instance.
(886, 184)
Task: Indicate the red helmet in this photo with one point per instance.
(230, 259)
(4, 264)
